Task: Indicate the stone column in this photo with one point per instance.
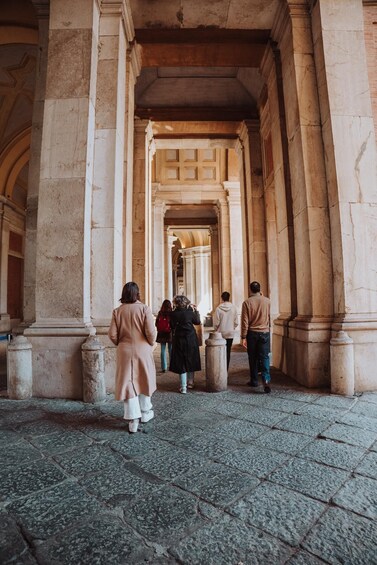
(215, 267)
(202, 273)
(63, 258)
(310, 331)
(350, 147)
(133, 66)
(189, 273)
(236, 257)
(108, 174)
(158, 291)
(224, 229)
(257, 260)
(279, 202)
(4, 247)
(42, 12)
(169, 244)
(20, 371)
(246, 213)
(141, 243)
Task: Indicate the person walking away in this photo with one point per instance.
(255, 334)
(225, 321)
(164, 335)
(185, 355)
(132, 330)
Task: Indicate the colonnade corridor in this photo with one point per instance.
(192, 149)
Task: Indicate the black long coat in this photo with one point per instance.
(185, 354)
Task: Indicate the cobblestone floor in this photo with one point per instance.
(231, 478)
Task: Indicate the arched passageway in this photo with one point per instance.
(139, 117)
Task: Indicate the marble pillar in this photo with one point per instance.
(142, 208)
(309, 333)
(158, 253)
(215, 267)
(133, 67)
(224, 230)
(254, 200)
(63, 253)
(351, 167)
(42, 12)
(235, 231)
(108, 173)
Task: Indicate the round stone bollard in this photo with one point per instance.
(93, 370)
(19, 368)
(216, 370)
(342, 365)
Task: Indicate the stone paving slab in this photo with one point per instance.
(25, 479)
(341, 537)
(279, 511)
(228, 541)
(353, 436)
(287, 442)
(209, 444)
(9, 437)
(13, 547)
(254, 460)
(59, 442)
(321, 412)
(310, 478)
(240, 430)
(368, 465)
(102, 540)
(18, 454)
(359, 494)
(332, 453)
(303, 424)
(358, 421)
(119, 483)
(217, 484)
(368, 409)
(167, 515)
(334, 401)
(252, 414)
(90, 459)
(50, 512)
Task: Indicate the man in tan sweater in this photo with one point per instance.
(255, 334)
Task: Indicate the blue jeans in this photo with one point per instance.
(258, 349)
(164, 361)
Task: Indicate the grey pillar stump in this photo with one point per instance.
(93, 370)
(216, 370)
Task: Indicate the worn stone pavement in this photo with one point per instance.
(233, 478)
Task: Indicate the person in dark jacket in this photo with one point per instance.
(164, 335)
(185, 356)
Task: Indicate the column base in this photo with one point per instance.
(56, 359)
(301, 349)
(363, 332)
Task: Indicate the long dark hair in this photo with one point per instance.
(166, 306)
(130, 293)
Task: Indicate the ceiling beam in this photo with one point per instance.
(181, 113)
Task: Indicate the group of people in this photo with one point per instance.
(133, 331)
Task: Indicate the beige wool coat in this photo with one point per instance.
(132, 329)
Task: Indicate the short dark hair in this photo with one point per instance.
(225, 296)
(254, 287)
(130, 293)
(181, 301)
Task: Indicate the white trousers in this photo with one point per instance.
(133, 407)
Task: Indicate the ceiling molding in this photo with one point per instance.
(180, 113)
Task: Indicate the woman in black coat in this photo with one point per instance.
(185, 356)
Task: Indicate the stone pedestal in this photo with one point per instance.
(93, 370)
(20, 373)
(342, 364)
(216, 371)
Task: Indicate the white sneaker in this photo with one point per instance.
(183, 390)
(146, 416)
(133, 426)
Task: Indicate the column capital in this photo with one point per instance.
(42, 8)
(119, 8)
(247, 128)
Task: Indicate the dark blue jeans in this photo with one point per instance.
(258, 349)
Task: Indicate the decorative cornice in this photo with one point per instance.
(134, 58)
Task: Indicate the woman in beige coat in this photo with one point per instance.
(132, 330)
